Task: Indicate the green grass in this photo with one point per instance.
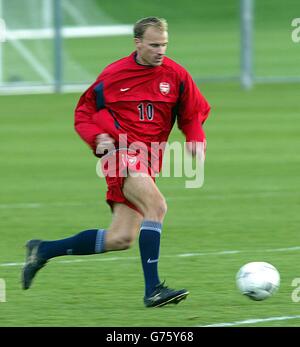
(249, 203)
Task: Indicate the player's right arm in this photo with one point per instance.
(104, 144)
(84, 124)
(88, 123)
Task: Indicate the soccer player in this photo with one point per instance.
(138, 97)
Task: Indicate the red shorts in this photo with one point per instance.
(116, 166)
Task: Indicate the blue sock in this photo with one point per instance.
(149, 243)
(86, 242)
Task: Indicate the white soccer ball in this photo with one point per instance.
(258, 280)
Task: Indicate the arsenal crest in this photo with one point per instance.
(164, 88)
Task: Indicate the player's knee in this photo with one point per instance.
(157, 210)
(161, 208)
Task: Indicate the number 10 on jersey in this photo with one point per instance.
(146, 111)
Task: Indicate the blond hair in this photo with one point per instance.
(144, 23)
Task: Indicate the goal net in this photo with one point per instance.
(28, 55)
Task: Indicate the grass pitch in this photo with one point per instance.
(247, 210)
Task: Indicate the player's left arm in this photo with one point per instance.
(192, 112)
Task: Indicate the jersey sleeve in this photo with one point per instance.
(84, 112)
(193, 110)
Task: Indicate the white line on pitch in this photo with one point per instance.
(250, 321)
(81, 260)
(40, 205)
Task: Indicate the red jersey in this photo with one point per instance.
(142, 102)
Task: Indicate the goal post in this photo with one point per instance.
(58, 46)
(2, 40)
(246, 17)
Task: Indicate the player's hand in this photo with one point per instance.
(196, 148)
(105, 143)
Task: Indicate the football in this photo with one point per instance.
(258, 280)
